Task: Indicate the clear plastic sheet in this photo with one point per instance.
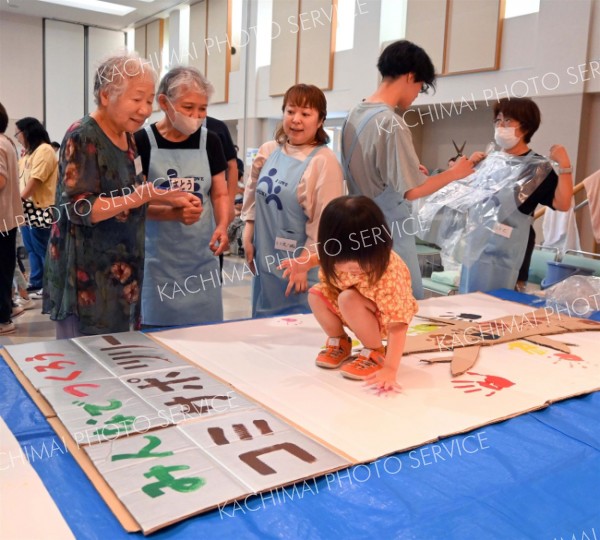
(460, 217)
(576, 296)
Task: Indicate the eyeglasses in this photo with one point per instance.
(424, 88)
(18, 133)
(506, 122)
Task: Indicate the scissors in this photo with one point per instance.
(459, 151)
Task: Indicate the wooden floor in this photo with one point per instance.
(33, 326)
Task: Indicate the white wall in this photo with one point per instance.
(65, 76)
(21, 66)
(541, 55)
(540, 58)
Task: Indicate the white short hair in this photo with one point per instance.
(114, 73)
(179, 80)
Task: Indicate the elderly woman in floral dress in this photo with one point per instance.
(95, 256)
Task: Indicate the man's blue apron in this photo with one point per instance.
(395, 209)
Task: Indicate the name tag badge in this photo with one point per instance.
(285, 244)
(502, 230)
(182, 184)
(137, 162)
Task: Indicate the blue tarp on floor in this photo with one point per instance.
(536, 476)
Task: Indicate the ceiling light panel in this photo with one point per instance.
(94, 5)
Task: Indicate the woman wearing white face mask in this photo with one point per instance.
(515, 122)
(181, 280)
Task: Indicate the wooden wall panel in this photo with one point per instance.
(197, 48)
(139, 40)
(284, 47)
(473, 35)
(316, 42)
(426, 26)
(218, 52)
(101, 43)
(154, 43)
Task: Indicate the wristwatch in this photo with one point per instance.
(566, 170)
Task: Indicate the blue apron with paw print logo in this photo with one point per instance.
(181, 274)
(279, 232)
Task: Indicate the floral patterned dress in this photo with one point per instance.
(392, 294)
(94, 270)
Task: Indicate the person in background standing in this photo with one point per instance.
(378, 154)
(38, 173)
(11, 212)
(220, 128)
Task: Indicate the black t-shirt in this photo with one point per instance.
(216, 159)
(240, 167)
(220, 128)
(544, 194)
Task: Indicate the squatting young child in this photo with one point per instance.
(364, 286)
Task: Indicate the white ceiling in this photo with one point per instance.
(143, 11)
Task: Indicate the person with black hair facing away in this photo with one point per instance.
(11, 213)
(366, 288)
(38, 174)
(56, 146)
(378, 154)
(240, 163)
(220, 128)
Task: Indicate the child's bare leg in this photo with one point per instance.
(329, 321)
(359, 313)
(339, 346)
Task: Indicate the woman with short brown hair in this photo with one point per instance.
(293, 178)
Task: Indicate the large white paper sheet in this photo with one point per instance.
(272, 361)
(253, 412)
